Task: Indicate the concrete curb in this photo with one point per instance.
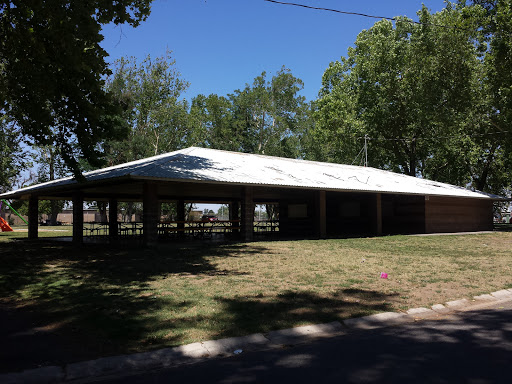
(300, 335)
(378, 321)
(88, 371)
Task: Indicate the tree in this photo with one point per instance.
(150, 94)
(415, 91)
(268, 115)
(13, 157)
(223, 212)
(212, 122)
(265, 117)
(492, 161)
(52, 72)
(50, 167)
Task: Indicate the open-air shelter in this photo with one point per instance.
(314, 199)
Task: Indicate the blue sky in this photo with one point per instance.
(220, 45)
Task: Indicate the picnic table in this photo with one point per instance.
(197, 228)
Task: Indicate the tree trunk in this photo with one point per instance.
(54, 211)
(481, 182)
(102, 208)
(129, 212)
(412, 158)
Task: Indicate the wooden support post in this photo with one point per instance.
(376, 214)
(112, 220)
(234, 207)
(320, 215)
(180, 210)
(78, 217)
(150, 214)
(247, 219)
(33, 208)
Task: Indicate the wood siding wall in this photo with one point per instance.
(451, 214)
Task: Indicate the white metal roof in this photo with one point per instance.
(215, 166)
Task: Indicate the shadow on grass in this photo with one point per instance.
(246, 315)
(90, 301)
(95, 301)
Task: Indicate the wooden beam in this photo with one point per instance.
(150, 213)
(377, 215)
(33, 208)
(112, 220)
(180, 210)
(78, 217)
(320, 215)
(234, 208)
(247, 219)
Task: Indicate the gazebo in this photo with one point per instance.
(314, 199)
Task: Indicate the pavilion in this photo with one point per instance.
(314, 199)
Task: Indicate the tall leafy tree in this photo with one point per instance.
(266, 117)
(150, 93)
(158, 120)
(492, 161)
(13, 156)
(51, 166)
(212, 122)
(268, 114)
(418, 92)
(52, 72)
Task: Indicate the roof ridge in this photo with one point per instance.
(134, 162)
(284, 158)
(167, 159)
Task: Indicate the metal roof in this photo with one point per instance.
(223, 167)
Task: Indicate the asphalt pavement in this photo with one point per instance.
(466, 346)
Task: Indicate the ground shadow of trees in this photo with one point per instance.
(291, 308)
(91, 301)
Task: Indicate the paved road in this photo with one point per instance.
(470, 347)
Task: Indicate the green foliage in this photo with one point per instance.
(150, 94)
(223, 212)
(492, 163)
(52, 69)
(213, 123)
(420, 93)
(266, 117)
(269, 113)
(13, 158)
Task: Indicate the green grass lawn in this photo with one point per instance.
(133, 299)
(21, 232)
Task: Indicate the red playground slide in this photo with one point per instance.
(4, 226)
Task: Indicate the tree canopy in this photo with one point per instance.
(150, 93)
(13, 157)
(266, 117)
(52, 72)
(422, 94)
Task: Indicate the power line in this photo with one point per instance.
(365, 15)
(330, 10)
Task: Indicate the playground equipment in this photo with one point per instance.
(4, 226)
